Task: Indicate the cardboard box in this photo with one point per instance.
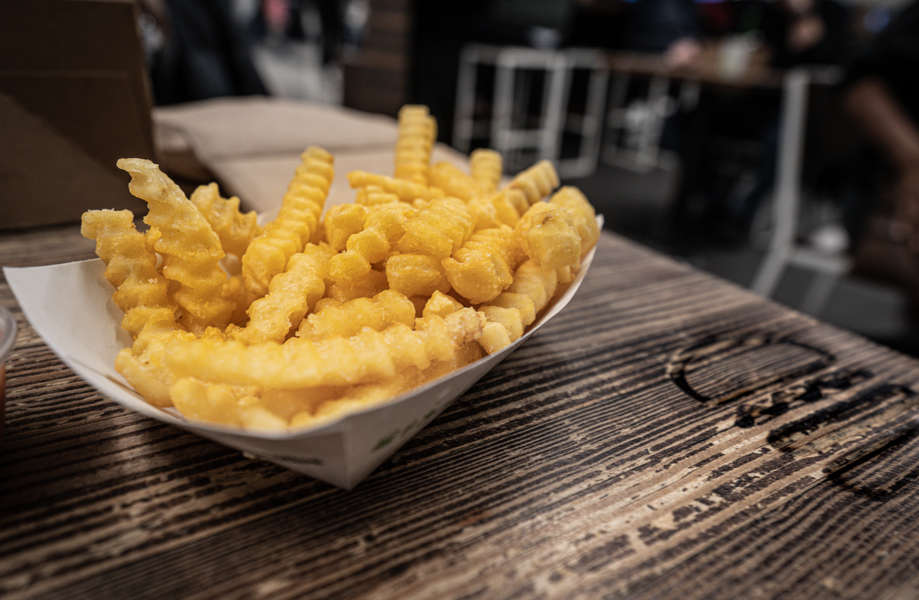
(73, 98)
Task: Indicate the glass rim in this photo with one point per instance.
(7, 333)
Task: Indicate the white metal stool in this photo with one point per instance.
(588, 126)
(783, 249)
(502, 128)
(634, 131)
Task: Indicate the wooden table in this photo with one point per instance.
(667, 436)
(706, 69)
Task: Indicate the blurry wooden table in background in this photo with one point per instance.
(668, 435)
(705, 69)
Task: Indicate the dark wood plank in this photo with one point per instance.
(667, 435)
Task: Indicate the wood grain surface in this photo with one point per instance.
(667, 436)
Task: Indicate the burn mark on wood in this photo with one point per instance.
(793, 435)
(874, 468)
(602, 555)
(750, 355)
(781, 401)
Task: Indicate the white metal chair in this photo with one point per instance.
(510, 135)
(783, 247)
(634, 130)
(589, 125)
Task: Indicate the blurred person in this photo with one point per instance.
(796, 33)
(332, 19)
(279, 20)
(669, 27)
(201, 51)
(800, 32)
(882, 95)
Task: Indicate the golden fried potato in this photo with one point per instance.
(372, 195)
(407, 191)
(383, 225)
(290, 296)
(333, 318)
(416, 275)
(484, 266)
(299, 363)
(441, 305)
(547, 236)
(210, 402)
(485, 167)
(536, 182)
(190, 248)
(437, 230)
(454, 182)
(389, 219)
(348, 399)
(499, 208)
(512, 311)
(144, 364)
(581, 215)
(522, 303)
(417, 133)
(234, 228)
(341, 222)
(141, 292)
(296, 224)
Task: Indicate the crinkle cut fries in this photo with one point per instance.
(321, 311)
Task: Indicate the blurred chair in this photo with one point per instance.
(589, 125)
(511, 127)
(784, 249)
(634, 130)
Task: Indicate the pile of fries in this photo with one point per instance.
(312, 315)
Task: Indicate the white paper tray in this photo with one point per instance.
(70, 307)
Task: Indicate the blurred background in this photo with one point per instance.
(772, 143)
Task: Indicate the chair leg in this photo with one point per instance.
(591, 126)
(555, 108)
(818, 293)
(617, 97)
(503, 105)
(593, 117)
(654, 126)
(464, 119)
(770, 271)
(788, 180)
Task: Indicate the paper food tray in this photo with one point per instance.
(70, 307)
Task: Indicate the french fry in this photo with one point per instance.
(548, 236)
(536, 182)
(417, 132)
(290, 296)
(416, 275)
(295, 225)
(485, 167)
(300, 363)
(484, 266)
(512, 311)
(348, 318)
(141, 292)
(407, 191)
(234, 228)
(190, 248)
(437, 230)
